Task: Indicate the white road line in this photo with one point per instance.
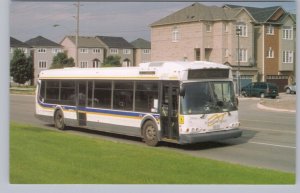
(274, 145)
(268, 130)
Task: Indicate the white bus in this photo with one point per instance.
(180, 102)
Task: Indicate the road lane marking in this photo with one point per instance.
(275, 120)
(270, 130)
(273, 145)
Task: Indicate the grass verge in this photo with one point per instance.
(41, 156)
(25, 90)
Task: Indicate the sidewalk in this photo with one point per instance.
(284, 102)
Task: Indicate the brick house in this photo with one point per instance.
(90, 51)
(274, 44)
(200, 32)
(17, 44)
(118, 46)
(142, 51)
(43, 51)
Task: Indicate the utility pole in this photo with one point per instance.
(77, 33)
(238, 32)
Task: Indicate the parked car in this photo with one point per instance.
(260, 89)
(290, 89)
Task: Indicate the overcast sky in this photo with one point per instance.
(130, 20)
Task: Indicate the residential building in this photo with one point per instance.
(287, 47)
(90, 51)
(142, 51)
(200, 32)
(43, 51)
(17, 44)
(274, 42)
(120, 47)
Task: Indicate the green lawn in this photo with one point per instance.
(42, 156)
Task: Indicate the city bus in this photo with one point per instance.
(178, 102)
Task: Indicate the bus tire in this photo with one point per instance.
(59, 121)
(150, 133)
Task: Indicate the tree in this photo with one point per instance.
(21, 67)
(112, 61)
(61, 60)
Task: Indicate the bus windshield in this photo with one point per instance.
(208, 97)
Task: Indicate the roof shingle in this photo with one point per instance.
(40, 41)
(197, 12)
(14, 43)
(115, 42)
(86, 42)
(141, 43)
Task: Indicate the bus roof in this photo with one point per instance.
(165, 70)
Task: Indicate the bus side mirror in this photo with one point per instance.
(237, 101)
(182, 90)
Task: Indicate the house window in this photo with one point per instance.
(270, 53)
(287, 33)
(56, 50)
(208, 27)
(243, 30)
(84, 50)
(175, 34)
(226, 53)
(226, 27)
(113, 51)
(96, 50)
(287, 56)
(270, 30)
(41, 50)
(242, 55)
(83, 64)
(24, 50)
(42, 64)
(146, 51)
(126, 51)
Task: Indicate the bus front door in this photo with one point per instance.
(81, 102)
(169, 111)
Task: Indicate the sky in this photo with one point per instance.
(130, 20)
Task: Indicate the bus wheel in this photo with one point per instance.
(59, 120)
(150, 133)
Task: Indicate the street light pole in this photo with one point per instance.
(238, 31)
(77, 33)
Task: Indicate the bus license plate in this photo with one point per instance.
(216, 127)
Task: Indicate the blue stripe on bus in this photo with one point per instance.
(103, 111)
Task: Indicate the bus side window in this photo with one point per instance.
(145, 95)
(123, 95)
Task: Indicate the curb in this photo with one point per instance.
(260, 106)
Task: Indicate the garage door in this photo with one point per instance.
(280, 80)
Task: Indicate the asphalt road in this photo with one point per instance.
(268, 140)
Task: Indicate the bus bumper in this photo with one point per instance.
(212, 136)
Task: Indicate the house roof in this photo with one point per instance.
(14, 43)
(115, 42)
(40, 41)
(197, 12)
(285, 16)
(141, 43)
(260, 15)
(86, 42)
